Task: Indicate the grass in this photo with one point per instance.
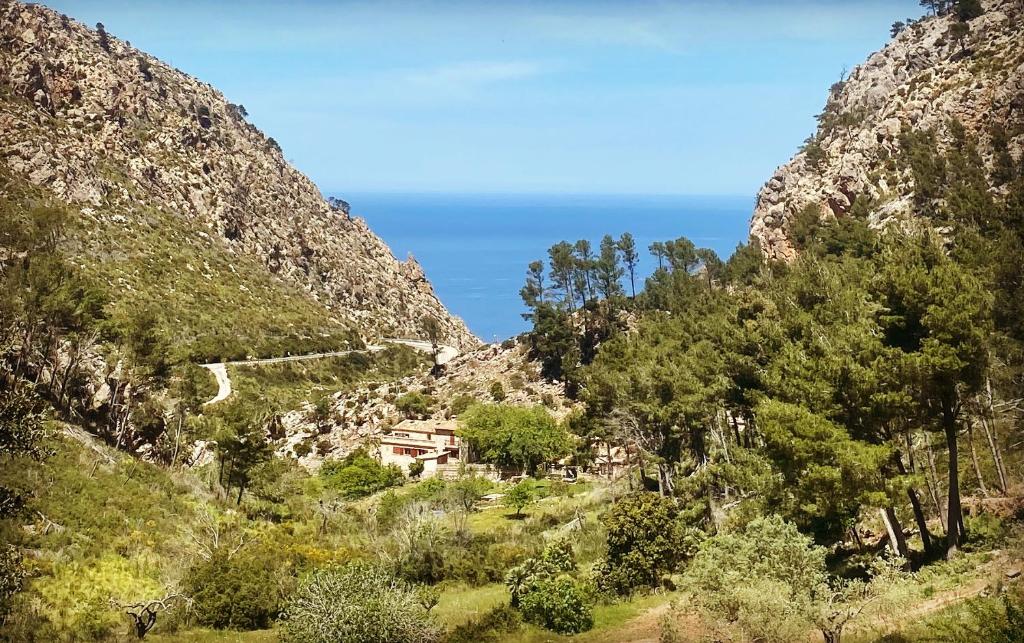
(461, 603)
(105, 526)
(612, 623)
(216, 636)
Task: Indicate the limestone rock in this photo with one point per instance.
(108, 127)
(920, 80)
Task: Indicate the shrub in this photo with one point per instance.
(489, 628)
(461, 403)
(416, 468)
(359, 475)
(240, 592)
(985, 531)
(497, 391)
(1000, 620)
(389, 508)
(559, 555)
(415, 405)
(559, 605)
(768, 568)
(519, 496)
(641, 542)
(467, 490)
(359, 603)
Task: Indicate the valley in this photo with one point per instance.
(228, 412)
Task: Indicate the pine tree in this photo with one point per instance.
(563, 270)
(532, 292)
(627, 247)
(585, 266)
(609, 271)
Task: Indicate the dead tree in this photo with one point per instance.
(143, 615)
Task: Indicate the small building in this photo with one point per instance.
(432, 442)
(610, 461)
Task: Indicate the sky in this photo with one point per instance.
(639, 97)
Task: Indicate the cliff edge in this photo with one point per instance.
(932, 75)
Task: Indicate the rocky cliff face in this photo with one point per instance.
(107, 128)
(924, 78)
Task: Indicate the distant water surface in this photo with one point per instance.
(475, 248)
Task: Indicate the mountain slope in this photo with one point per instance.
(153, 161)
(923, 79)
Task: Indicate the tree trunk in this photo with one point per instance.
(954, 518)
(915, 502)
(665, 479)
(993, 437)
(974, 459)
(856, 538)
(993, 445)
(177, 438)
(897, 540)
(933, 482)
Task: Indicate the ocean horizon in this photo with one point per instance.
(475, 248)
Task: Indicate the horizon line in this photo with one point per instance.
(412, 192)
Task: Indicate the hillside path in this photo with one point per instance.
(220, 369)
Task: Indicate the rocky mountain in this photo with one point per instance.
(933, 74)
(136, 146)
(360, 416)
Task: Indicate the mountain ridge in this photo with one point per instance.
(924, 79)
(113, 131)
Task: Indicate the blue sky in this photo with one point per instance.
(559, 97)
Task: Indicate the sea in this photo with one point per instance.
(475, 248)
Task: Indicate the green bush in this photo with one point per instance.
(415, 405)
(357, 603)
(990, 619)
(985, 531)
(559, 605)
(359, 475)
(489, 628)
(497, 391)
(559, 555)
(416, 468)
(240, 592)
(520, 495)
(768, 568)
(461, 403)
(642, 543)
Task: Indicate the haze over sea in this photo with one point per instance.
(475, 248)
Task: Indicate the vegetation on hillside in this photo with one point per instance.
(823, 448)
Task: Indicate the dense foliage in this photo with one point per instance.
(513, 436)
(358, 474)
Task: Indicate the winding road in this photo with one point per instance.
(445, 354)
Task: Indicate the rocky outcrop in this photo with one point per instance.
(112, 131)
(924, 78)
(360, 416)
